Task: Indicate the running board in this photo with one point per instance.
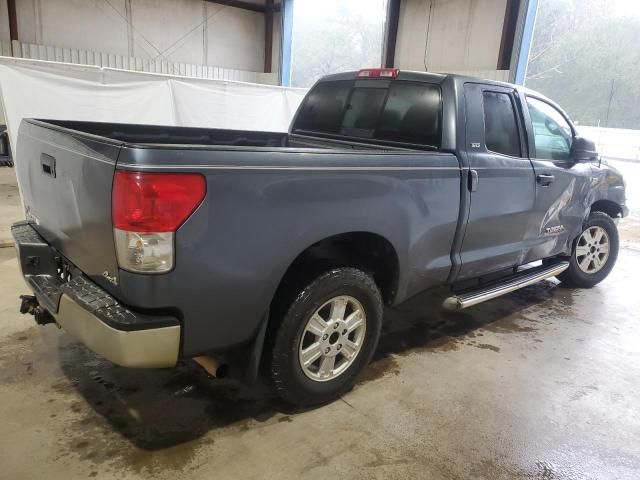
(509, 284)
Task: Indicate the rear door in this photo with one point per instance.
(65, 179)
(562, 186)
(501, 180)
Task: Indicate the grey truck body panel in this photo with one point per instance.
(270, 196)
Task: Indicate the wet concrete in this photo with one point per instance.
(10, 206)
(540, 384)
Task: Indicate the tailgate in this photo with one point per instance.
(65, 179)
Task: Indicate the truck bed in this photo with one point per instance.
(161, 134)
(265, 203)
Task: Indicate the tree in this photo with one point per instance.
(586, 55)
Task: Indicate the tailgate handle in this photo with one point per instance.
(48, 164)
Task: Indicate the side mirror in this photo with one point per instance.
(583, 150)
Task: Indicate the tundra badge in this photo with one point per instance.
(554, 229)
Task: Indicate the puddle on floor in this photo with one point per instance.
(409, 328)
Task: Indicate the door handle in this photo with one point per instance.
(473, 180)
(545, 179)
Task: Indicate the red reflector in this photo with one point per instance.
(378, 73)
(155, 202)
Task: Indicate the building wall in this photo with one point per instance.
(4, 21)
(189, 31)
(449, 35)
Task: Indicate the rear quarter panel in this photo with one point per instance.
(264, 207)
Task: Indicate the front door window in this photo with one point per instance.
(551, 131)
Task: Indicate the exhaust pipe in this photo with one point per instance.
(211, 365)
(29, 305)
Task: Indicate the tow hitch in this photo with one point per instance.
(29, 305)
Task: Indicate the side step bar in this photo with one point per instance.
(514, 282)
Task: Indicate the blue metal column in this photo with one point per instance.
(525, 43)
(285, 54)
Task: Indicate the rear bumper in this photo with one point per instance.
(91, 314)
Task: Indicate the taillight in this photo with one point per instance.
(147, 209)
(378, 73)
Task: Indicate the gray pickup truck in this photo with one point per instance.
(274, 253)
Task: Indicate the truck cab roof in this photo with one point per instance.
(360, 105)
(436, 78)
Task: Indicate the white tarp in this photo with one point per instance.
(49, 90)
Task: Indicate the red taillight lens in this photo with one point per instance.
(155, 202)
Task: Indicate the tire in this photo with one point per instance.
(575, 276)
(297, 335)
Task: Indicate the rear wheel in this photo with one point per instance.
(594, 252)
(327, 336)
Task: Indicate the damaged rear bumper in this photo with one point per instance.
(91, 314)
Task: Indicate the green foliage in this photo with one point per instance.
(586, 56)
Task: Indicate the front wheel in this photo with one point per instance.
(594, 252)
(327, 337)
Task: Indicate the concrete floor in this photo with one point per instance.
(543, 383)
(10, 206)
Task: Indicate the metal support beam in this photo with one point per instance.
(508, 34)
(286, 32)
(128, 13)
(521, 53)
(268, 36)
(393, 17)
(245, 5)
(13, 20)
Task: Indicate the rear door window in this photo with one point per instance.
(500, 124)
(405, 112)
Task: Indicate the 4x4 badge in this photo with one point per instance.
(112, 278)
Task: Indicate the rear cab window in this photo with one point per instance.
(379, 111)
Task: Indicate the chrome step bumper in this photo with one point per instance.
(514, 282)
(90, 313)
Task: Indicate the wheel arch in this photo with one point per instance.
(609, 207)
(371, 252)
(379, 257)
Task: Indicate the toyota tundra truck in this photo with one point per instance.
(274, 253)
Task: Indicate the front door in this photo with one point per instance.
(502, 182)
(562, 185)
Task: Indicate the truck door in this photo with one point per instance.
(562, 185)
(501, 182)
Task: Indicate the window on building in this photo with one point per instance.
(500, 125)
(332, 36)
